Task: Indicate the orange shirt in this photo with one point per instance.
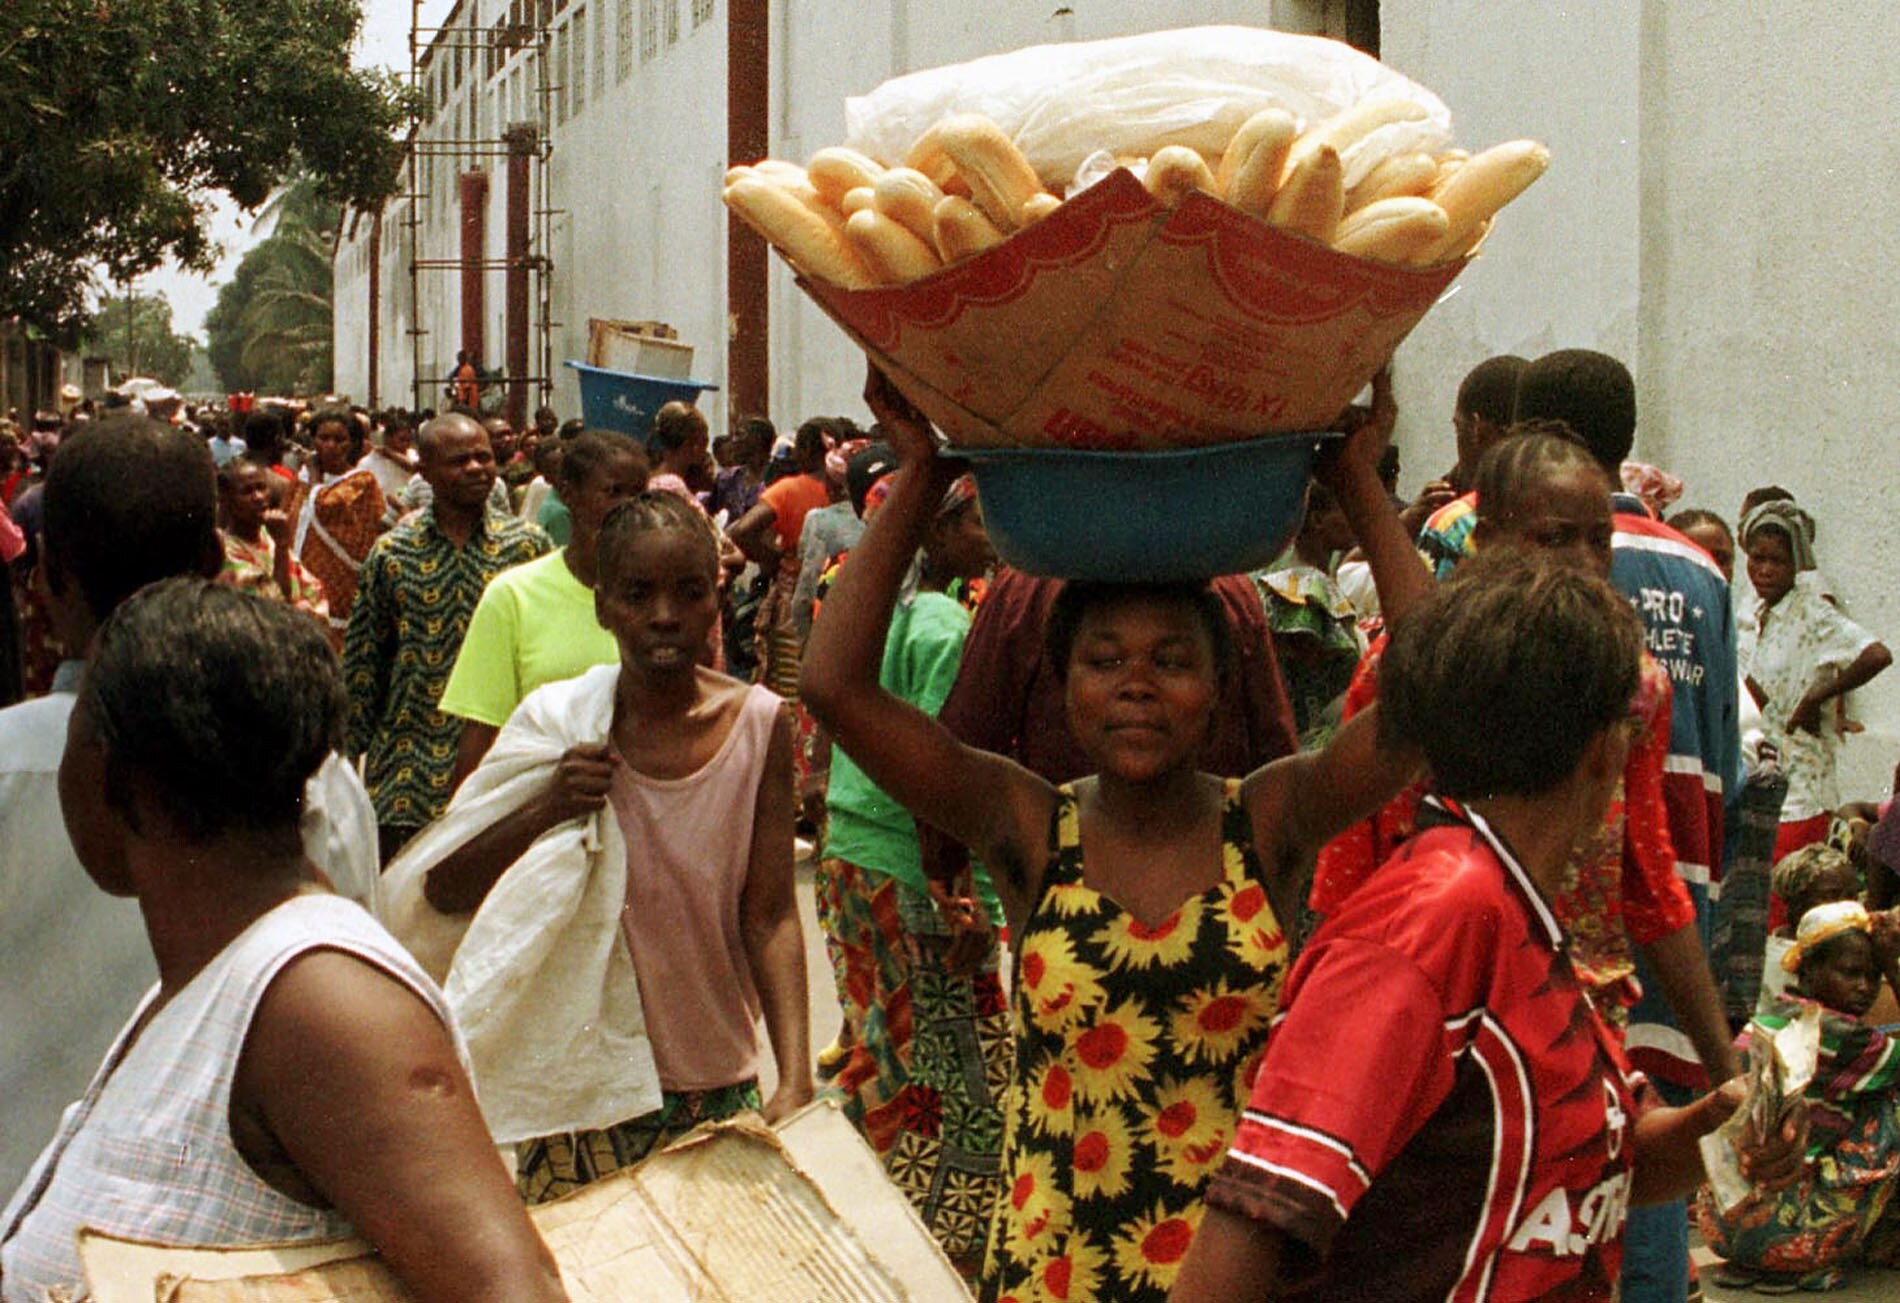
(792, 499)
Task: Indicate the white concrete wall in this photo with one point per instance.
(1770, 236)
(1716, 215)
(1562, 269)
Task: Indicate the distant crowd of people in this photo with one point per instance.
(1395, 922)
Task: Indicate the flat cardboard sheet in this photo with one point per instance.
(732, 1212)
(1118, 323)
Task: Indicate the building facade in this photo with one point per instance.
(1716, 215)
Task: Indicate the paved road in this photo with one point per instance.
(1871, 1284)
(825, 1015)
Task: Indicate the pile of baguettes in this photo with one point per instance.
(852, 221)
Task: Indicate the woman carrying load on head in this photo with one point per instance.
(1145, 900)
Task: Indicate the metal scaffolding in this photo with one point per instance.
(520, 39)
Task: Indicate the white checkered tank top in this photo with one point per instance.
(147, 1154)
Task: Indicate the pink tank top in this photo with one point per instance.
(689, 846)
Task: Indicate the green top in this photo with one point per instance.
(535, 625)
(554, 518)
(416, 593)
(865, 826)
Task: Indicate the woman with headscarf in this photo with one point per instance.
(1840, 1210)
(1799, 651)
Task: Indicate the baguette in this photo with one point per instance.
(1175, 172)
(814, 246)
(1485, 183)
(927, 156)
(1448, 164)
(780, 172)
(962, 230)
(907, 196)
(790, 178)
(1466, 247)
(1250, 169)
(1039, 207)
(1345, 130)
(1312, 199)
(1402, 174)
(1402, 231)
(894, 255)
(1001, 180)
(836, 171)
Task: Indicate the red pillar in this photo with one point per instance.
(472, 191)
(748, 85)
(521, 146)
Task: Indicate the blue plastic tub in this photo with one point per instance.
(625, 402)
(1145, 517)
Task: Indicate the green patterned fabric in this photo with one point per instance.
(930, 1063)
(412, 609)
(552, 1166)
(1316, 642)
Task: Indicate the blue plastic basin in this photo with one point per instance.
(625, 402)
(1145, 517)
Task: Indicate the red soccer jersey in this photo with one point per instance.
(1440, 1112)
(1625, 891)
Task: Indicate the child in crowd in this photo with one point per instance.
(1539, 493)
(1813, 876)
(1841, 1209)
(1143, 901)
(1442, 1113)
(1711, 533)
(656, 797)
(257, 554)
(1800, 653)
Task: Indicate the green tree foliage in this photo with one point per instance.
(270, 329)
(135, 332)
(118, 117)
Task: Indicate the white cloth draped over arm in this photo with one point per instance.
(539, 977)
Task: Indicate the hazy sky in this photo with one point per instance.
(384, 42)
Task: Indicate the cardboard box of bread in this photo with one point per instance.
(1166, 241)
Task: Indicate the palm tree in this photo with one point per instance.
(287, 322)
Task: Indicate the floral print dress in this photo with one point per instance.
(1135, 1049)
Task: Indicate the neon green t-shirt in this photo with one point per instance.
(535, 624)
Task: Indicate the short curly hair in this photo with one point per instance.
(1507, 672)
(222, 702)
(1078, 597)
(1592, 392)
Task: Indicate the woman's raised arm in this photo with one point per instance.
(990, 804)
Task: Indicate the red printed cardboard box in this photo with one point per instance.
(1119, 323)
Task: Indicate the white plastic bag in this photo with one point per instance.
(1133, 94)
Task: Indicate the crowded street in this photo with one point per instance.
(701, 650)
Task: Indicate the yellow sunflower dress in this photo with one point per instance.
(1135, 1049)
